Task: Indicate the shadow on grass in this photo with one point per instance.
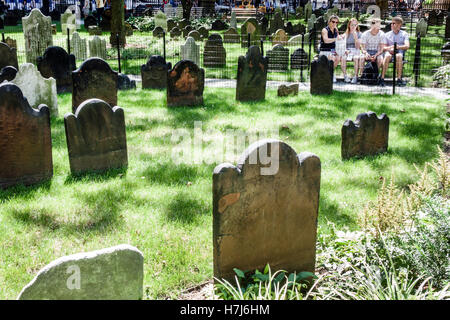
(96, 176)
(171, 174)
(330, 211)
(186, 209)
(21, 191)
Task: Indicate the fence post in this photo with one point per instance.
(394, 73)
(310, 40)
(118, 51)
(248, 39)
(68, 41)
(164, 44)
(416, 66)
(262, 47)
(3, 37)
(410, 24)
(301, 62)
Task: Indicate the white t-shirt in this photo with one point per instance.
(371, 42)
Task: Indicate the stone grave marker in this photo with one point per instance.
(319, 24)
(68, 21)
(186, 31)
(278, 58)
(218, 25)
(252, 76)
(12, 43)
(95, 31)
(78, 46)
(214, 54)
(231, 36)
(185, 84)
(154, 73)
(368, 135)
(89, 21)
(308, 10)
(125, 83)
(161, 20)
(233, 21)
(175, 33)
(97, 48)
(171, 24)
(266, 213)
(115, 273)
(250, 26)
(299, 59)
(195, 35)
(26, 145)
(8, 56)
(374, 10)
(158, 32)
(311, 23)
(421, 28)
(299, 12)
(295, 41)
(7, 73)
(204, 33)
(183, 23)
(289, 28)
(77, 11)
(280, 37)
(94, 79)
(321, 76)
(287, 90)
(190, 51)
(276, 23)
(37, 30)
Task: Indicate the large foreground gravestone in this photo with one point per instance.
(58, 64)
(214, 54)
(97, 48)
(251, 76)
(94, 79)
(368, 135)
(185, 84)
(190, 50)
(154, 73)
(278, 58)
(265, 210)
(115, 273)
(321, 76)
(25, 140)
(96, 137)
(8, 56)
(37, 30)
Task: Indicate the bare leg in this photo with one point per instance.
(399, 62)
(387, 60)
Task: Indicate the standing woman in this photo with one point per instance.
(352, 38)
(100, 4)
(328, 39)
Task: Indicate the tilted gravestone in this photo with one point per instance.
(321, 76)
(278, 58)
(280, 37)
(265, 210)
(78, 46)
(368, 135)
(299, 59)
(58, 64)
(26, 145)
(94, 79)
(68, 22)
(37, 89)
(175, 33)
(8, 56)
(214, 54)
(204, 33)
(195, 35)
(276, 23)
(421, 28)
(190, 51)
(117, 24)
(154, 73)
(186, 30)
(185, 84)
(158, 32)
(96, 137)
(115, 273)
(161, 20)
(37, 30)
(97, 48)
(251, 76)
(7, 73)
(286, 90)
(231, 36)
(250, 26)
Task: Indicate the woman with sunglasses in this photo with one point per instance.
(352, 38)
(328, 39)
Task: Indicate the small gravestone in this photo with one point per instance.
(158, 32)
(295, 41)
(289, 28)
(7, 73)
(186, 31)
(218, 25)
(421, 28)
(26, 145)
(204, 33)
(68, 22)
(97, 48)
(175, 33)
(171, 24)
(280, 37)
(183, 23)
(95, 31)
(185, 84)
(251, 76)
(233, 21)
(276, 23)
(58, 64)
(12, 43)
(77, 11)
(278, 58)
(374, 10)
(94, 79)
(299, 29)
(368, 135)
(265, 210)
(115, 273)
(161, 20)
(37, 30)
(287, 90)
(78, 46)
(231, 36)
(8, 56)
(299, 59)
(125, 83)
(250, 26)
(195, 35)
(190, 51)
(37, 89)
(154, 73)
(90, 21)
(96, 137)
(311, 23)
(321, 76)
(214, 54)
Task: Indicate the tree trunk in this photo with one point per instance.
(187, 6)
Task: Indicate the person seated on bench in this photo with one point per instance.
(328, 41)
(372, 45)
(352, 38)
(402, 39)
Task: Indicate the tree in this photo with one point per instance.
(187, 6)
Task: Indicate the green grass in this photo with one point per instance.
(151, 205)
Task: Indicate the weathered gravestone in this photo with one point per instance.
(37, 89)
(117, 24)
(195, 35)
(97, 47)
(374, 10)
(26, 145)
(183, 23)
(299, 29)
(175, 33)
(186, 31)
(250, 26)
(77, 11)
(280, 37)
(421, 28)
(311, 23)
(58, 64)
(276, 23)
(231, 36)
(295, 41)
(96, 137)
(432, 18)
(12, 43)
(214, 54)
(308, 10)
(299, 59)
(8, 56)
(115, 273)
(7, 73)
(251, 76)
(204, 33)
(125, 83)
(154, 73)
(265, 210)
(171, 24)
(289, 28)
(95, 31)
(78, 46)
(233, 21)
(286, 90)
(37, 30)
(321, 76)
(94, 79)
(68, 22)
(190, 51)
(90, 21)
(299, 12)
(319, 24)
(158, 32)
(368, 135)
(185, 84)
(218, 25)
(278, 58)
(161, 21)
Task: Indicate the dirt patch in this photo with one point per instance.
(203, 291)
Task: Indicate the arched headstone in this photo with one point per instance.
(37, 30)
(321, 76)
(280, 37)
(190, 51)
(278, 58)
(97, 48)
(214, 54)
(374, 10)
(195, 35)
(185, 84)
(8, 56)
(250, 26)
(154, 73)
(251, 76)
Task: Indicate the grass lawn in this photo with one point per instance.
(152, 206)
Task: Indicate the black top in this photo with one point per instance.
(328, 46)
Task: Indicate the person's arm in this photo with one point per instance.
(325, 37)
(357, 41)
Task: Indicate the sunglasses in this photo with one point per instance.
(334, 21)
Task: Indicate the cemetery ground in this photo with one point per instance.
(165, 209)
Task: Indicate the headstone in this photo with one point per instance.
(115, 273)
(12, 43)
(280, 37)
(287, 90)
(299, 59)
(311, 23)
(432, 18)
(94, 79)
(204, 33)
(319, 24)
(214, 54)
(161, 20)
(54, 30)
(295, 41)
(289, 28)
(231, 36)
(117, 23)
(175, 33)
(185, 84)
(266, 214)
(68, 21)
(158, 32)
(190, 51)
(421, 28)
(26, 145)
(299, 12)
(97, 48)
(89, 21)
(154, 72)
(218, 25)
(276, 23)
(374, 10)
(233, 21)
(78, 47)
(171, 24)
(37, 30)
(195, 35)
(186, 31)
(95, 31)
(37, 89)
(128, 29)
(251, 76)
(76, 10)
(321, 76)
(278, 58)
(125, 83)
(8, 56)
(183, 23)
(368, 135)
(263, 26)
(7, 73)
(308, 10)
(250, 26)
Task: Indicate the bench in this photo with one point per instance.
(244, 13)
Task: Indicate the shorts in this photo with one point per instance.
(374, 52)
(327, 53)
(354, 53)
